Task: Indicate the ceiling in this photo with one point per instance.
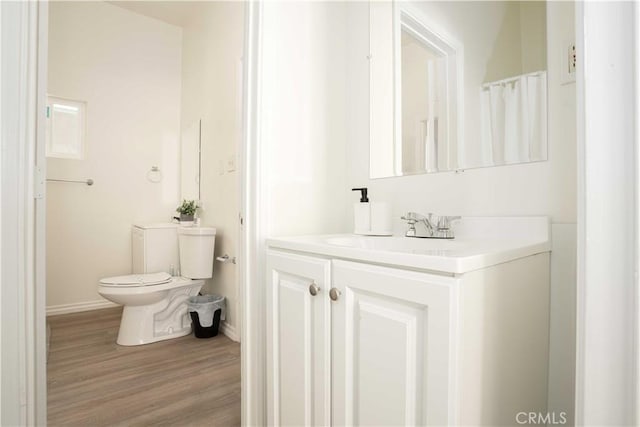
(175, 12)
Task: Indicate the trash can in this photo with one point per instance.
(206, 312)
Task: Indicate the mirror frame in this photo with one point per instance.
(417, 26)
(405, 16)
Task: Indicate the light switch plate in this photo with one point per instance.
(231, 163)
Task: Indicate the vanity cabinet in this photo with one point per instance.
(298, 340)
(354, 343)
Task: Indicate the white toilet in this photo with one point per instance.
(154, 297)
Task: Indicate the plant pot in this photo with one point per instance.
(186, 218)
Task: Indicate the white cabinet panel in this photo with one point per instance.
(298, 343)
(391, 346)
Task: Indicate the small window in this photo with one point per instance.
(65, 128)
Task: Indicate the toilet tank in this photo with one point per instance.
(196, 251)
(154, 248)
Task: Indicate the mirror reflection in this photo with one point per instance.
(456, 85)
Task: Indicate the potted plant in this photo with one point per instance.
(187, 210)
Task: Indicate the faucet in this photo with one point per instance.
(435, 227)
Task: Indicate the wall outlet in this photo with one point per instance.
(568, 61)
(571, 58)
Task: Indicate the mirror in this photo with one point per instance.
(190, 162)
(456, 85)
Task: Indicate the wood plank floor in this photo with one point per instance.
(92, 381)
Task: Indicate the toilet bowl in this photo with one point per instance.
(154, 302)
(154, 306)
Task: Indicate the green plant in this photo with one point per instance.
(188, 207)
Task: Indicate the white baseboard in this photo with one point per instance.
(77, 307)
(229, 331)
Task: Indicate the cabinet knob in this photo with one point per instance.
(334, 294)
(314, 289)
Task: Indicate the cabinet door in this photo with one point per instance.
(391, 346)
(298, 340)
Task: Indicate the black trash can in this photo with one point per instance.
(206, 313)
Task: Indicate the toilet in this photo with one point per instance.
(155, 295)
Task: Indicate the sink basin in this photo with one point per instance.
(480, 243)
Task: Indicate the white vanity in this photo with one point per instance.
(406, 331)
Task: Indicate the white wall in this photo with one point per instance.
(127, 68)
(303, 117)
(212, 91)
(544, 188)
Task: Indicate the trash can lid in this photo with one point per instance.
(197, 231)
(206, 299)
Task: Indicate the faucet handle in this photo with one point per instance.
(411, 232)
(444, 222)
(413, 217)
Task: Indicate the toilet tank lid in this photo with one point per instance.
(138, 279)
(156, 225)
(197, 231)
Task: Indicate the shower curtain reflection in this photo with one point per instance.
(514, 119)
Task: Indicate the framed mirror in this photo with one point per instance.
(456, 85)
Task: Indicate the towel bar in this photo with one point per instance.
(88, 181)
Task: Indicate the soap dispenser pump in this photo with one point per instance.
(362, 213)
(363, 194)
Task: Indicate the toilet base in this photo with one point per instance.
(163, 320)
(126, 338)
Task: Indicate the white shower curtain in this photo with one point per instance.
(514, 120)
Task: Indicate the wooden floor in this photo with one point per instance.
(92, 381)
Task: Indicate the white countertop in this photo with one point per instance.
(480, 242)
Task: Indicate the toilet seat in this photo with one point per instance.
(136, 280)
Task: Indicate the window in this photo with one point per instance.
(65, 128)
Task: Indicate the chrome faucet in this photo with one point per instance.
(433, 226)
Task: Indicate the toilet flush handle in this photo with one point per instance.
(226, 258)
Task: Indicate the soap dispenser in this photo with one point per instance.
(371, 218)
(362, 213)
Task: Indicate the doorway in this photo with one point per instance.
(137, 94)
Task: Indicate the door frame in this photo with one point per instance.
(22, 246)
(254, 223)
(608, 289)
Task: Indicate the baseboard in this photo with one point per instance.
(77, 307)
(229, 331)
